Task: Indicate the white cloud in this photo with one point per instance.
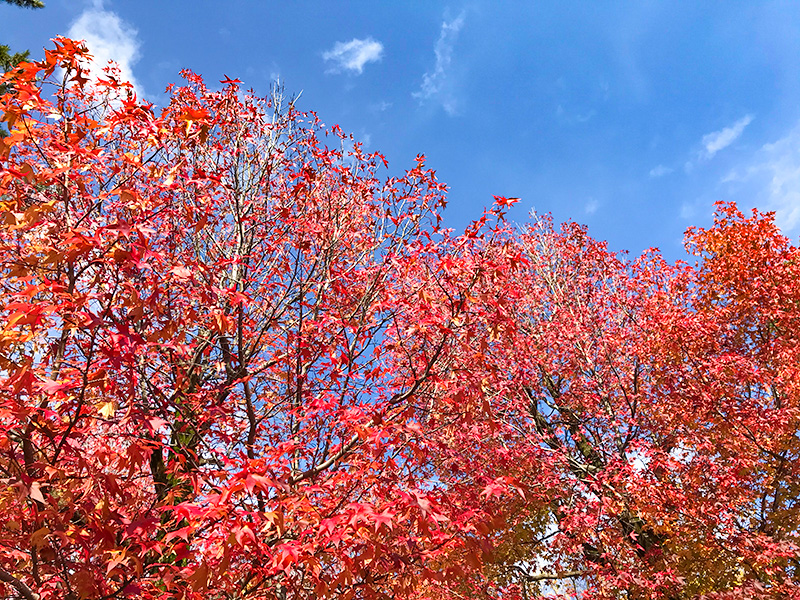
(380, 106)
(660, 171)
(770, 180)
(781, 169)
(591, 206)
(576, 118)
(353, 55)
(435, 83)
(688, 211)
(108, 38)
(717, 140)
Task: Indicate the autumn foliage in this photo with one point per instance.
(238, 362)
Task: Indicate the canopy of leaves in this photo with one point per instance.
(235, 362)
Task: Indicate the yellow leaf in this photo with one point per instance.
(106, 409)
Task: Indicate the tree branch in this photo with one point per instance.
(18, 585)
(550, 576)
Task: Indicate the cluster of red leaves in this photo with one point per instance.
(235, 363)
(215, 341)
(640, 420)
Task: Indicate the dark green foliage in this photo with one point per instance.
(7, 62)
(27, 3)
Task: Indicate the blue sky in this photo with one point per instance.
(630, 117)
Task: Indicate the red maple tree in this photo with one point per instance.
(639, 419)
(216, 340)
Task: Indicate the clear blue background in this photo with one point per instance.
(631, 117)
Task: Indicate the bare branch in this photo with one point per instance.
(549, 576)
(21, 587)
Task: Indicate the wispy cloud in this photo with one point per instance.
(717, 140)
(576, 118)
(591, 206)
(435, 83)
(770, 179)
(783, 169)
(660, 171)
(108, 38)
(353, 55)
(380, 106)
(688, 210)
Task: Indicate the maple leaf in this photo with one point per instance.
(53, 387)
(181, 273)
(244, 535)
(385, 517)
(502, 201)
(106, 409)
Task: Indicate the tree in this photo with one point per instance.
(648, 413)
(217, 340)
(7, 62)
(26, 3)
